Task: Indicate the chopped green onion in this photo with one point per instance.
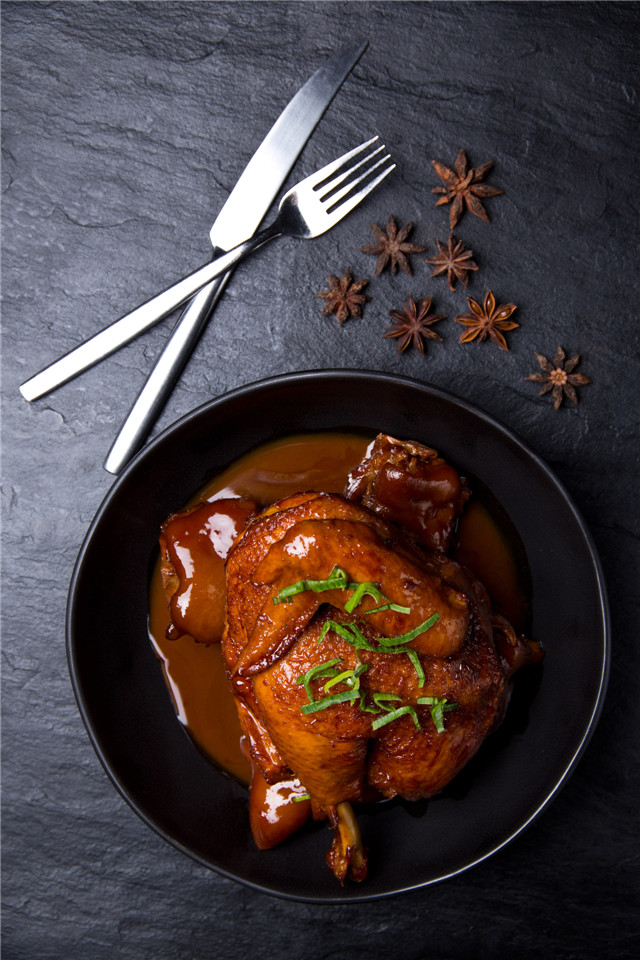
(352, 677)
(352, 633)
(337, 580)
(298, 797)
(417, 666)
(357, 673)
(363, 590)
(381, 698)
(371, 590)
(403, 711)
(330, 701)
(349, 632)
(322, 670)
(354, 636)
(411, 635)
(358, 639)
(386, 606)
(346, 674)
(367, 708)
(438, 706)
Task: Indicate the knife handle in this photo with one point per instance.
(164, 375)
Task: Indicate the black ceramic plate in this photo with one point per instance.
(127, 710)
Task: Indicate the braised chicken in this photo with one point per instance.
(411, 485)
(194, 544)
(364, 662)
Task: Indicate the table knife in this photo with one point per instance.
(240, 216)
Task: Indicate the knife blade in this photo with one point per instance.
(241, 214)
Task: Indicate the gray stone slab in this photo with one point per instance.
(124, 128)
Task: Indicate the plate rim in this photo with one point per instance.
(337, 374)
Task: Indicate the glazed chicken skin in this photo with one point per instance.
(364, 662)
(411, 485)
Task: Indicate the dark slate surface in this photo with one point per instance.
(125, 127)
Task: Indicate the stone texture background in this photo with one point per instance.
(125, 125)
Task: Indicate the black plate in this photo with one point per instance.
(126, 707)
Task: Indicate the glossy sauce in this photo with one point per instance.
(195, 672)
(486, 545)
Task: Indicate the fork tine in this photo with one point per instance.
(331, 185)
(325, 172)
(338, 211)
(339, 194)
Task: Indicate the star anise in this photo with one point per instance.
(558, 377)
(344, 297)
(412, 323)
(392, 247)
(487, 320)
(463, 187)
(454, 260)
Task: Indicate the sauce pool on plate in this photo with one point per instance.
(195, 672)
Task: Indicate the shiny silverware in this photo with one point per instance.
(240, 216)
(309, 209)
(313, 206)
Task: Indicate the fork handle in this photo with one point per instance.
(132, 324)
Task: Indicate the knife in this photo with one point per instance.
(240, 216)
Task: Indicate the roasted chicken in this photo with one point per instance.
(363, 660)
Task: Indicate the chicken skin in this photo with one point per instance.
(409, 483)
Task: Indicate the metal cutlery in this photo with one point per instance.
(309, 209)
(241, 214)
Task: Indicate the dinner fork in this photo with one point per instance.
(309, 209)
(312, 206)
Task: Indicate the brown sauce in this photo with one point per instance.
(195, 672)
(486, 546)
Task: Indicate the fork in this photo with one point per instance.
(304, 212)
(309, 209)
(313, 206)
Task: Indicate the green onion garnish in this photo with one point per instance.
(352, 633)
(380, 699)
(330, 701)
(365, 707)
(298, 797)
(322, 670)
(337, 679)
(405, 710)
(438, 706)
(349, 632)
(369, 589)
(352, 677)
(337, 580)
(411, 635)
(329, 669)
(386, 606)
(417, 666)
